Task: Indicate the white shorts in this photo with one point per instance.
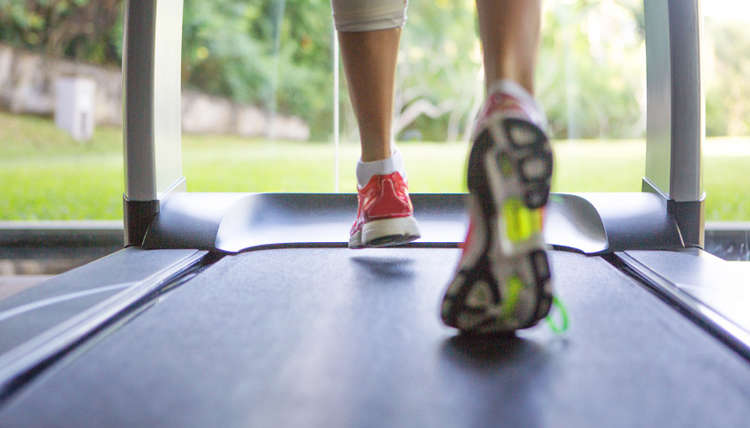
(368, 15)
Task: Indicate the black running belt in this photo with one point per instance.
(342, 338)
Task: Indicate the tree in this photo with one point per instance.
(273, 53)
(80, 29)
(277, 54)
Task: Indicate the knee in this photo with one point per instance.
(368, 15)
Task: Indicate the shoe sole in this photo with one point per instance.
(509, 173)
(386, 233)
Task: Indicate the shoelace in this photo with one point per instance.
(564, 321)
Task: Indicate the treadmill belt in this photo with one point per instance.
(334, 337)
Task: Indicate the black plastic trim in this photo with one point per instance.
(688, 215)
(690, 218)
(591, 223)
(138, 216)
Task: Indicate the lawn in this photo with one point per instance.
(47, 176)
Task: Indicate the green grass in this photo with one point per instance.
(44, 175)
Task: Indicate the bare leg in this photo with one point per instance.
(510, 38)
(370, 64)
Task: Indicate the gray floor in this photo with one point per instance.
(316, 337)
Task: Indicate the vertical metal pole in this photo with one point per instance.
(138, 94)
(688, 107)
(152, 110)
(676, 126)
(336, 112)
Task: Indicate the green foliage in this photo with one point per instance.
(591, 74)
(726, 79)
(277, 54)
(273, 53)
(438, 67)
(89, 30)
(590, 78)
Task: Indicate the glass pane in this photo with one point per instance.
(49, 173)
(592, 83)
(726, 67)
(257, 103)
(591, 80)
(268, 126)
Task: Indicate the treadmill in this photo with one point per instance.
(238, 310)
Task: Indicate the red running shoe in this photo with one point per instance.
(503, 281)
(385, 216)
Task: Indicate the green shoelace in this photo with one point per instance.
(562, 327)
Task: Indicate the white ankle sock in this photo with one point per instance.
(395, 163)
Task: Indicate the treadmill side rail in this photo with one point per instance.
(142, 282)
(712, 292)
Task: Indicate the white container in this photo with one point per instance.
(74, 106)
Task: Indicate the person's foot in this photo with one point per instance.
(503, 280)
(385, 216)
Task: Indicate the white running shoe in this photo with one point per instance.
(503, 280)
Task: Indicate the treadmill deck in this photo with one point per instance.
(334, 337)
